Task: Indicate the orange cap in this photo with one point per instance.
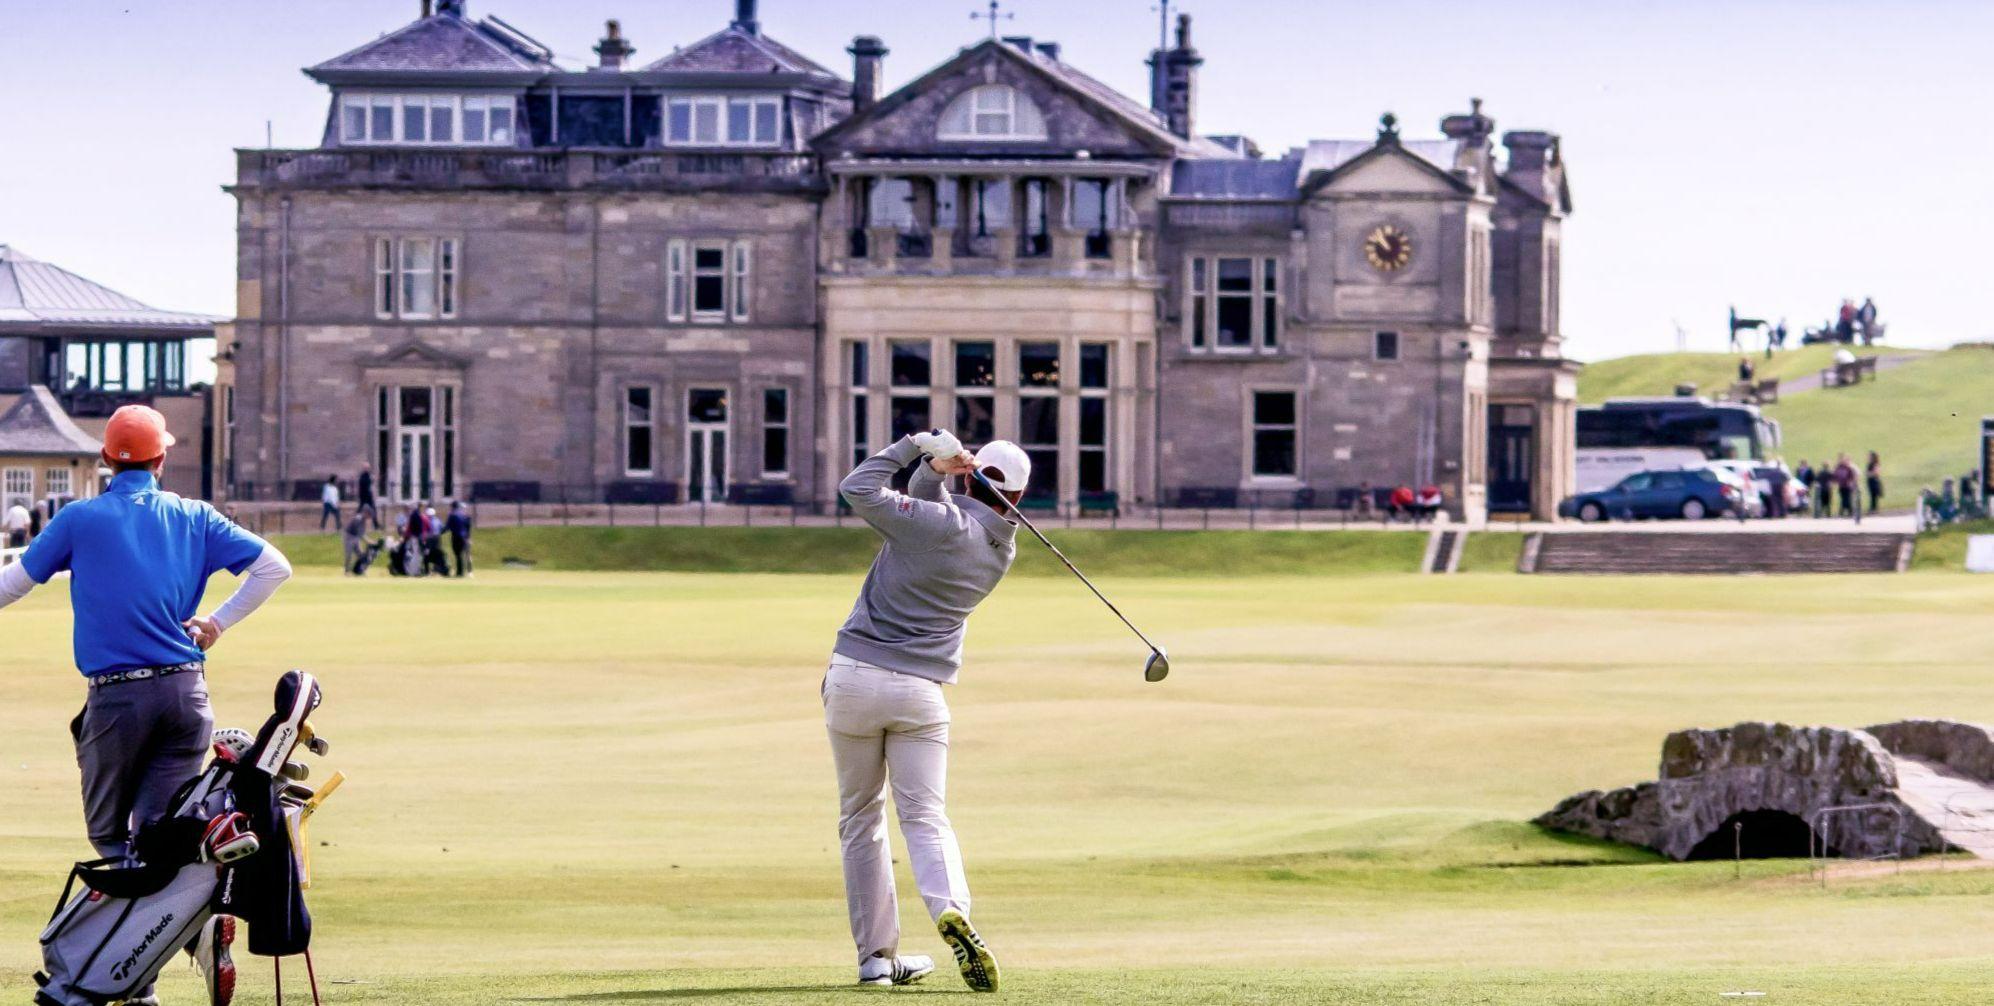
(135, 433)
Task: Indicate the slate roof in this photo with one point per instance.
(1235, 178)
(445, 42)
(735, 50)
(33, 292)
(1121, 103)
(36, 425)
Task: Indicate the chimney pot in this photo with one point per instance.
(1049, 50)
(613, 48)
(450, 7)
(744, 17)
(868, 56)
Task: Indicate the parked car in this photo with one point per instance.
(1689, 493)
(1762, 479)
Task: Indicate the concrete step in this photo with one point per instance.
(1692, 551)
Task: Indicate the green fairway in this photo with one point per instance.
(615, 788)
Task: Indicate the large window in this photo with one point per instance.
(1233, 303)
(123, 366)
(368, 118)
(639, 433)
(719, 121)
(415, 277)
(18, 486)
(1095, 213)
(56, 483)
(775, 432)
(991, 112)
(858, 360)
(1093, 440)
(976, 392)
(1038, 414)
(713, 280)
(1274, 430)
(910, 372)
(1035, 234)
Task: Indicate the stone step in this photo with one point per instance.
(1962, 809)
(1716, 552)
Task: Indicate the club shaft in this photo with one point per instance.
(1063, 560)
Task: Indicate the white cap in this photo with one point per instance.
(1011, 462)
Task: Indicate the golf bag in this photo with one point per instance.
(367, 557)
(223, 846)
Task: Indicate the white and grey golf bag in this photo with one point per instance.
(102, 947)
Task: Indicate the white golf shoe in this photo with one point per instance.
(895, 970)
(213, 960)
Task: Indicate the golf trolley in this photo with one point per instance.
(233, 844)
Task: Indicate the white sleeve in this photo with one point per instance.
(14, 583)
(261, 580)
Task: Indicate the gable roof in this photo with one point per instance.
(445, 42)
(36, 425)
(734, 49)
(1323, 161)
(35, 293)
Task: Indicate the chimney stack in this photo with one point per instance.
(428, 8)
(611, 51)
(744, 17)
(1049, 50)
(455, 7)
(1173, 81)
(1533, 157)
(868, 55)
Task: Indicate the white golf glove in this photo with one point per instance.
(938, 444)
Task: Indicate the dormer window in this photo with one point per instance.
(992, 112)
(370, 118)
(720, 121)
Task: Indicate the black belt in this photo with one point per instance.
(145, 674)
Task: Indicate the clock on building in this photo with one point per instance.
(1388, 248)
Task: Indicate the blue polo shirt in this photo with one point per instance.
(139, 560)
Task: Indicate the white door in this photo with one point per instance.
(706, 445)
(415, 466)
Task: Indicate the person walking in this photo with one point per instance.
(458, 524)
(353, 539)
(139, 559)
(364, 496)
(941, 554)
(1845, 484)
(15, 524)
(328, 502)
(1873, 475)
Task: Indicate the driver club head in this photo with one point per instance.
(1158, 666)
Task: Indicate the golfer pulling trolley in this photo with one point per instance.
(139, 559)
(942, 554)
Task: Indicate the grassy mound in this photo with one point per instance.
(1659, 373)
(1923, 417)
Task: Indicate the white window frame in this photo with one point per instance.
(18, 486)
(758, 108)
(1017, 112)
(786, 426)
(400, 107)
(394, 275)
(694, 273)
(649, 424)
(740, 273)
(678, 294)
(1202, 296)
(1254, 426)
(56, 482)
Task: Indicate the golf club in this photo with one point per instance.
(1158, 666)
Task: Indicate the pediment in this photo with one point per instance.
(1387, 169)
(416, 354)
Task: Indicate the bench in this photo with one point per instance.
(1207, 497)
(645, 491)
(1042, 503)
(1766, 392)
(505, 492)
(761, 494)
(1109, 503)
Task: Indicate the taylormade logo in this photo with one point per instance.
(124, 967)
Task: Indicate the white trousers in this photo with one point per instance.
(889, 728)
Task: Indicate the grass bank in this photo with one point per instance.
(1659, 373)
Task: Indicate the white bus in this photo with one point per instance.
(1628, 435)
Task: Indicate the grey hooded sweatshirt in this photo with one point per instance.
(943, 554)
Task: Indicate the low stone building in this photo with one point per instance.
(722, 276)
(45, 459)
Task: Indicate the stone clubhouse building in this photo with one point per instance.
(724, 275)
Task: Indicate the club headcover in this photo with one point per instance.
(297, 695)
(232, 743)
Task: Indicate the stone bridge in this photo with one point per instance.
(1912, 787)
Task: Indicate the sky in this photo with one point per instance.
(1778, 155)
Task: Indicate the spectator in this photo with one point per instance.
(459, 527)
(353, 536)
(1866, 316)
(433, 560)
(1402, 502)
(1366, 506)
(1776, 501)
(365, 496)
(1745, 370)
(1805, 476)
(328, 502)
(1873, 471)
(1428, 503)
(16, 526)
(1845, 322)
(35, 518)
(1845, 484)
(1823, 493)
(1779, 334)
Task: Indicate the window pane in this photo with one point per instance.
(975, 419)
(1273, 408)
(441, 121)
(1235, 321)
(1094, 365)
(1270, 274)
(975, 364)
(1236, 274)
(993, 123)
(1270, 321)
(706, 405)
(638, 401)
(767, 121)
(1090, 205)
(474, 124)
(1045, 473)
(353, 122)
(709, 294)
(1038, 364)
(1093, 422)
(383, 122)
(910, 415)
(1093, 471)
(740, 125)
(861, 427)
(861, 368)
(1388, 345)
(681, 122)
(637, 456)
(1038, 420)
(775, 405)
(993, 205)
(706, 122)
(775, 449)
(709, 258)
(910, 366)
(1274, 452)
(1198, 310)
(892, 203)
(415, 119)
(415, 406)
(501, 122)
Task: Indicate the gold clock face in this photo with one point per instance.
(1388, 248)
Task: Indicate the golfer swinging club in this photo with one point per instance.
(942, 555)
(139, 560)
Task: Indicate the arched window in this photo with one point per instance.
(992, 112)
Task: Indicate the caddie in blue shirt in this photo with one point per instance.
(139, 560)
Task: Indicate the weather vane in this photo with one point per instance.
(993, 17)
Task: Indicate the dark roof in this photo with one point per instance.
(735, 50)
(1239, 178)
(37, 425)
(33, 292)
(445, 42)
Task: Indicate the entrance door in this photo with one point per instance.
(416, 442)
(415, 466)
(706, 445)
(1512, 458)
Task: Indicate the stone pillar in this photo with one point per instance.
(883, 242)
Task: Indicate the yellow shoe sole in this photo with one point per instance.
(979, 968)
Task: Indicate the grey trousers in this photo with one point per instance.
(136, 742)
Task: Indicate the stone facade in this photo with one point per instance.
(1005, 245)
